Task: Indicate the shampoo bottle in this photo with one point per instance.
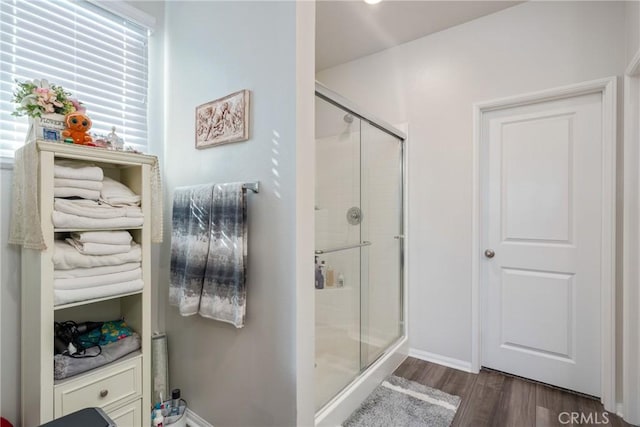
(175, 401)
(330, 277)
(319, 279)
(323, 273)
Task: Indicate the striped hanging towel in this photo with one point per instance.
(208, 252)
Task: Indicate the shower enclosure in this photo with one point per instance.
(359, 242)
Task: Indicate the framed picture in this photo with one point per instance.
(223, 121)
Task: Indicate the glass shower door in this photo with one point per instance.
(381, 264)
(358, 255)
(337, 255)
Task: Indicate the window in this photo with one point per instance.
(99, 57)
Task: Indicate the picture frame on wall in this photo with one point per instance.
(223, 121)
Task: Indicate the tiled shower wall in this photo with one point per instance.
(337, 190)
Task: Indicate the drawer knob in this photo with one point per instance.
(103, 393)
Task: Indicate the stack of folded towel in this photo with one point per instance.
(118, 206)
(96, 264)
(77, 179)
(89, 214)
(116, 194)
(101, 242)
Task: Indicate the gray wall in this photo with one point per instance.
(432, 83)
(243, 377)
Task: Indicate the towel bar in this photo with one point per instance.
(342, 248)
(253, 186)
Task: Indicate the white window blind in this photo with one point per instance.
(99, 57)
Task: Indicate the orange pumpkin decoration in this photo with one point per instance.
(78, 125)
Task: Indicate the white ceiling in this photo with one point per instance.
(350, 29)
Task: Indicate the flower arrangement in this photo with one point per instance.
(38, 97)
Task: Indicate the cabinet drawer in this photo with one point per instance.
(129, 415)
(107, 388)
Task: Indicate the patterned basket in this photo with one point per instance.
(49, 127)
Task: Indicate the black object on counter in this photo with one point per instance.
(88, 417)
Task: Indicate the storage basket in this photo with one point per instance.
(179, 420)
(49, 127)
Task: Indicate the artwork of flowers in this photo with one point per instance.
(223, 120)
(38, 97)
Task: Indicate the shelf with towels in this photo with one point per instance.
(45, 395)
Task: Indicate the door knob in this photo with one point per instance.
(489, 253)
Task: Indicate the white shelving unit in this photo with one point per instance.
(121, 388)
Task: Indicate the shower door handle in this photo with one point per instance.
(399, 237)
(342, 248)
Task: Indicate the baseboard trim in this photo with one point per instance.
(449, 362)
(195, 420)
(619, 410)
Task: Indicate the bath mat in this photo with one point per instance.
(400, 402)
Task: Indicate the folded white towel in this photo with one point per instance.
(93, 209)
(93, 281)
(65, 220)
(98, 248)
(109, 237)
(78, 183)
(132, 211)
(117, 194)
(67, 296)
(66, 257)
(122, 201)
(95, 271)
(76, 192)
(74, 169)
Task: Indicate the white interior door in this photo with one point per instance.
(542, 210)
